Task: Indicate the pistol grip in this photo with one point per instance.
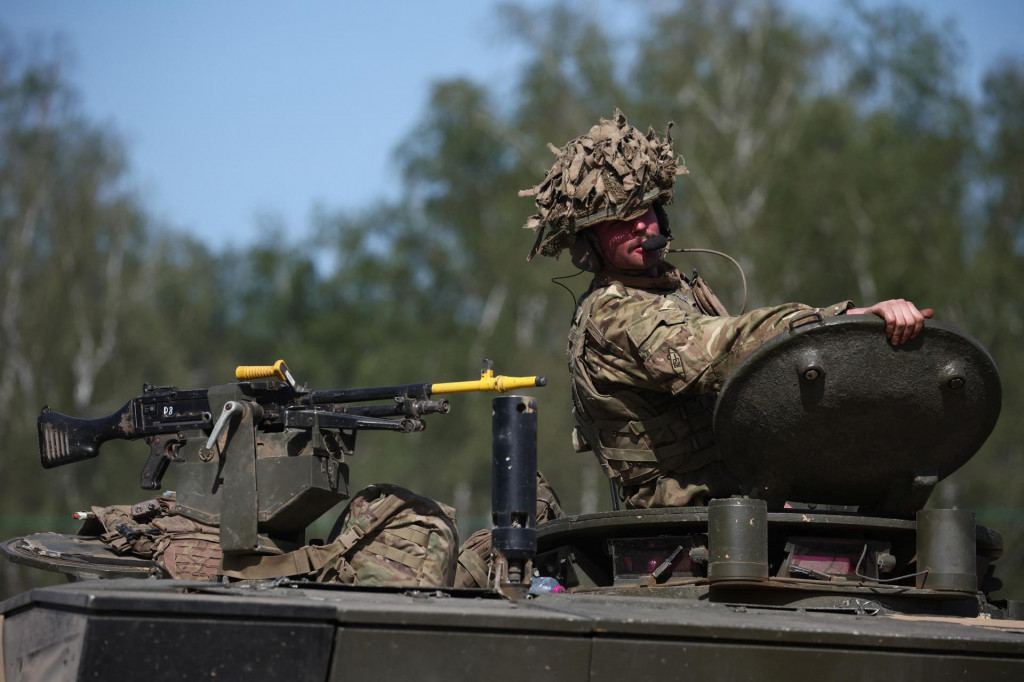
(163, 450)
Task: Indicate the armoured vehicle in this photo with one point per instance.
(828, 566)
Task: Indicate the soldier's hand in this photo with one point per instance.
(903, 319)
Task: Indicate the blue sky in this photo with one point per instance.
(234, 110)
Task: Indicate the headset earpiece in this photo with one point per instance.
(585, 253)
(663, 227)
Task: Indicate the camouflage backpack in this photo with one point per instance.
(387, 536)
(476, 561)
(392, 536)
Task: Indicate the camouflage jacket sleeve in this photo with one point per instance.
(664, 343)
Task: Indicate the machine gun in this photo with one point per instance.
(267, 429)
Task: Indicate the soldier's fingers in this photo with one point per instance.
(884, 310)
(918, 323)
(903, 322)
(927, 312)
(893, 326)
(910, 316)
(914, 321)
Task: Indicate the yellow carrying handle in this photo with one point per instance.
(488, 382)
(279, 370)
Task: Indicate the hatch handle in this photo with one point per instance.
(810, 317)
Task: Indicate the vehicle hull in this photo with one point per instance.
(129, 629)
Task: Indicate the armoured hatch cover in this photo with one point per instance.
(830, 412)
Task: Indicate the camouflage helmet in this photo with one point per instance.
(614, 172)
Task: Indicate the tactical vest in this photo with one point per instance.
(639, 435)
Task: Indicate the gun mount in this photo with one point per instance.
(259, 460)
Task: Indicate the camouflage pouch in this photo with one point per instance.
(392, 537)
(187, 550)
(184, 549)
(123, 532)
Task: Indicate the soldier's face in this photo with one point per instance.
(621, 240)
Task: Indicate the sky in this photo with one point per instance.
(236, 112)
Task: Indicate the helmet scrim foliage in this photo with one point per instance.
(614, 172)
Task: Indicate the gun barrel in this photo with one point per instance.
(488, 383)
(359, 395)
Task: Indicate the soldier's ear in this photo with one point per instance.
(585, 253)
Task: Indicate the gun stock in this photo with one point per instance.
(64, 439)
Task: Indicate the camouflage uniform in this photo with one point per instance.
(647, 358)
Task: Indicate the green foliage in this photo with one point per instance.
(834, 163)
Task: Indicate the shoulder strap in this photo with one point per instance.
(584, 435)
(311, 557)
(706, 299)
(476, 567)
(474, 559)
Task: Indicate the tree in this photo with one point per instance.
(84, 302)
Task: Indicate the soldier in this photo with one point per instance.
(648, 348)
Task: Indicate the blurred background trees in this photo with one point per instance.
(832, 163)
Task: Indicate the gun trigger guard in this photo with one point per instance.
(163, 450)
